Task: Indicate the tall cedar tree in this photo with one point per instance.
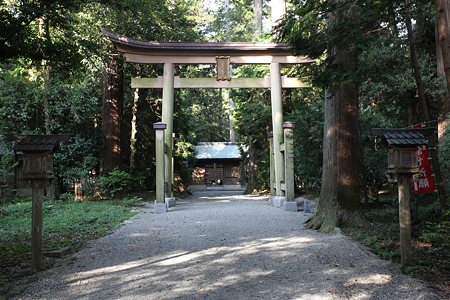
(443, 59)
(311, 35)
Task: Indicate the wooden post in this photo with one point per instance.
(277, 121)
(405, 218)
(172, 174)
(289, 161)
(289, 204)
(37, 224)
(272, 167)
(160, 205)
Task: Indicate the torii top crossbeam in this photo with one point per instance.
(145, 52)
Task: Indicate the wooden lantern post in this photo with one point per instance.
(37, 151)
(403, 168)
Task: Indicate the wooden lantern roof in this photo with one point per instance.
(37, 143)
(403, 137)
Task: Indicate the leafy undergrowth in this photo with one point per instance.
(66, 223)
(430, 243)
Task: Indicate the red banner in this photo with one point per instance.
(426, 180)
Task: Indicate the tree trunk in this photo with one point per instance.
(252, 166)
(45, 73)
(425, 113)
(133, 128)
(112, 115)
(340, 203)
(443, 35)
(443, 103)
(257, 9)
(413, 117)
(339, 196)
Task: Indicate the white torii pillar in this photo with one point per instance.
(278, 135)
(167, 117)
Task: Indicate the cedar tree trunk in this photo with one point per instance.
(133, 128)
(340, 202)
(112, 115)
(426, 115)
(257, 10)
(339, 196)
(443, 103)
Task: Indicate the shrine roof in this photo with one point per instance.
(218, 150)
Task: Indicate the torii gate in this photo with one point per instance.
(171, 53)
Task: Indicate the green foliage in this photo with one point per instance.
(253, 122)
(115, 182)
(185, 154)
(389, 88)
(38, 30)
(130, 201)
(66, 223)
(7, 166)
(314, 28)
(430, 239)
(54, 82)
(418, 269)
(444, 158)
(438, 233)
(233, 24)
(308, 140)
(29, 106)
(19, 109)
(374, 156)
(208, 117)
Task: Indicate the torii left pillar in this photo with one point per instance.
(167, 118)
(278, 135)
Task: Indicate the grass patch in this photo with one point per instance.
(430, 240)
(66, 223)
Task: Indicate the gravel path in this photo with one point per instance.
(223, 245)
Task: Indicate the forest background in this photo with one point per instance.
(55, 63)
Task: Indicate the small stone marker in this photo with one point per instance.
(307, 206)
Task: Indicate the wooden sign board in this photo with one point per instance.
(223, 68)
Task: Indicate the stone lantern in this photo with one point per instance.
(37, 152)
(403, 149)
(403, 168)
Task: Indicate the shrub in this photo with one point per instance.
(116, 182)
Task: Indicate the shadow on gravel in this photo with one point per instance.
(221, 252)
